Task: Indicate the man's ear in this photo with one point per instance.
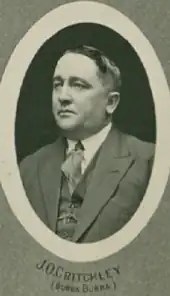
(112, 102)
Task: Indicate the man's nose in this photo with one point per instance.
(65, 95)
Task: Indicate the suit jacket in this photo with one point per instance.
(117, 186)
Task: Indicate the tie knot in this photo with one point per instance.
(79, 146)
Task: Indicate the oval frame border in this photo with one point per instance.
(54, 21)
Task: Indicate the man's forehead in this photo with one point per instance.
(75, 64)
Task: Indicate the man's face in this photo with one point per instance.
(79, 96)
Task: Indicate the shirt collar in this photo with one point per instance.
(91, 144)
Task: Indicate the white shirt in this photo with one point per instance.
(91, 145)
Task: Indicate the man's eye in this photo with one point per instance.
(56, 85)
(79, 85)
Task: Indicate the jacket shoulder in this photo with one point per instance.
(32, 160)
(140, 148)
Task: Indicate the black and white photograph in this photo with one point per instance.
(85, 133)
(84, 148)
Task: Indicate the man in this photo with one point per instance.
(88, 184)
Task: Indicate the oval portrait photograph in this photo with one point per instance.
(85, 128)
(83, 163)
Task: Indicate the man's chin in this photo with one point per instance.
(64, 126)
(71, 131)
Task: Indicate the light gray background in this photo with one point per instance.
(145, 263)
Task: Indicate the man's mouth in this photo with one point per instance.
(65, 112)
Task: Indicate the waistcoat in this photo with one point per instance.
(70, 205)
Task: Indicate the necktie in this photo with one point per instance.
(72, 166)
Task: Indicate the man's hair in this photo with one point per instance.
(104, 64)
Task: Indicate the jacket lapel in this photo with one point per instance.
(50, 179)
(112, 164)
